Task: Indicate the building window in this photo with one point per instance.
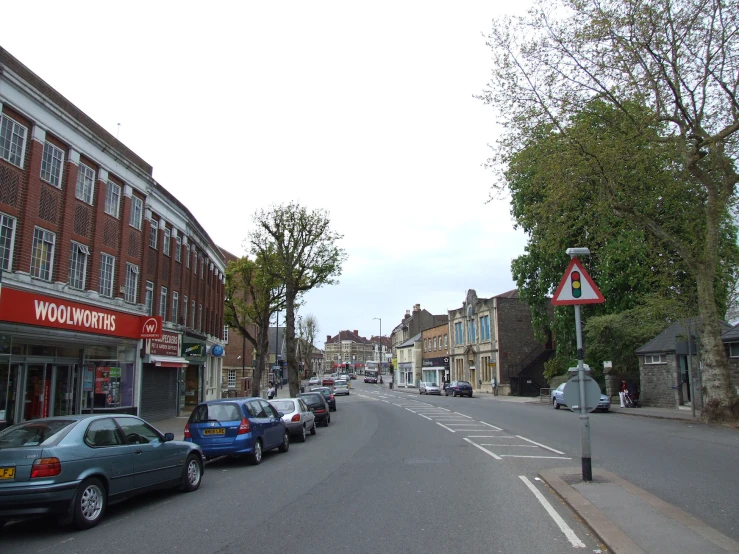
(187, 256)
(194, 260)
(112, 199)
(472, 331)
(167, 240)
(163, 303)
(178, 249)
(137, 212)
(434, 344)
(7, 240)
(175, 305)
(78, 266)
(202, 267)
(85, 182)
(734, 350)
(231, 378)
(51, 165)
(42, 256)
(153, 234)
(225, 334)
(485, 328)
(192, 305)
(458, 334)
(200, 317)
(12, 141)
(445, 342)
(655, 359)
(149, 300)
(184, 312)
(107, 262)
(132, 283)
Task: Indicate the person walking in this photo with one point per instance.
(622, 392)
(494, 384)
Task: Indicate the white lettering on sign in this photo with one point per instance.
(150, 326)
(71, 315)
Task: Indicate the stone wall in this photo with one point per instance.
(658, 382)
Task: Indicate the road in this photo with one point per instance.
(386, 475)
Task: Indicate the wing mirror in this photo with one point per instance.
(168, 437)
(280, 414)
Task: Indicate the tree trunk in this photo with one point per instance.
(262, 350)
(719, 400)
(292, 364)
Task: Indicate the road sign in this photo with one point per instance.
(577, 287)
(571, 394)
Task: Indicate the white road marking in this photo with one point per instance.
(463, 415)
(57, 544)
(385, 401)
(487, 436)
(411, 411)
(539, 457)
(493, 426)
(542, 445)
(516, 445)
(426, 417)
(445, 427)
(561, 523)
(483, 449)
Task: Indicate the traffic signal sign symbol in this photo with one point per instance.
(576, 284)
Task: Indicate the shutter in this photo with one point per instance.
(159, 393)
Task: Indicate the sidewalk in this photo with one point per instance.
(629, 520)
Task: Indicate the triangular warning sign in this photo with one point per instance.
(577, 287)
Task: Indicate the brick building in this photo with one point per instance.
(435, 359)
(347, 348)
(90, 246)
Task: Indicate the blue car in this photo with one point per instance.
(72, 467)
(237, 426)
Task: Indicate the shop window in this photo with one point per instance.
(12, 141)
(113, 384)
(7, 240)
(112, 199)
(85, 182)
(52, 161)
(42, 256)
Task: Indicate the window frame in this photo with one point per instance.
(76, 250)
(14, 126)
(731, 354)
(131, 288)
(163, 295)
(167, 240)
(136, 219)
(51, 154)
(149, 297)
(175, 305)
(231, 378)
(192, 305)
(52, 252)
(11, 248)
(153, 234)
(102, 285)
(178, 248)
(200, 317)
(113, 189)
(184, 311)
(225, 334)
(187, 259)
(82, 174)
(661, 359)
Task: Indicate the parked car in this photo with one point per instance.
(459, 388)
(353, 376)
(314, 381)
(341, 388)
(344, 377)
(74, 466)
(298, 418)
(604, 404)
(426, 387)
(237, 426)
(328, 394)
(317, 404)
(327, 382)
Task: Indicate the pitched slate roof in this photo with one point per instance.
(732, 335)
(666, 341)
(410, 341)
(348, 335)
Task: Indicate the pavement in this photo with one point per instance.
(626, 518)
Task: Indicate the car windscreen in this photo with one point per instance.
(434, 385)
(313, 400)
(33, 433)
(284, 406)
(340, 384)
(216, 412)
(463, 383)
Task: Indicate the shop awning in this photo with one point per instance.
(169, 361)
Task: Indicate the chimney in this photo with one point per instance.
(416, 307)
(407, 313)
(328, 338)
(356, 332)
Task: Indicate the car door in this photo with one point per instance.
(108, 451)
(274, 427)
(155, 460)
(306, 414)
(257, 420)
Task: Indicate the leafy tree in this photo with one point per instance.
(669, 69)
(305, 247)
(253, 295)
(307, 330)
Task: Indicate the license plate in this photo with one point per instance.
(7, 473)
(214, 432)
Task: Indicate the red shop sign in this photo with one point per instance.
(19, 306)
(168, 345)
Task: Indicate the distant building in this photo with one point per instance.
(348, 348)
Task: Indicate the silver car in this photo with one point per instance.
(297, 417)
(427, 387)
(341, 387)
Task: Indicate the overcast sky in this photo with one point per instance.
(365, 110)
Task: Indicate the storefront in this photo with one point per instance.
(193, 351)
(405, 373)
(163, 377)
(435, 370)
(59, 357)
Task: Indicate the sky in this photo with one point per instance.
(365, 110)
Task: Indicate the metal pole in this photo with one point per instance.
(277, 342)
(587, 469)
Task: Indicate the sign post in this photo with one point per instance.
(575, 288)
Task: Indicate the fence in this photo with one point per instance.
(545, 395)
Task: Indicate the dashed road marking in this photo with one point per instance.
(493, 426)
(566, 529)
(542, 445)
(473, 443)
(463, 415)
(445, 427)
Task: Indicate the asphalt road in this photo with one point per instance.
(692, 466)
(384, 476)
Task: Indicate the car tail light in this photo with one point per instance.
(46, 467)
(245, 427)
(187, 431)
(320, 410)
(296, 417)
(330, 396)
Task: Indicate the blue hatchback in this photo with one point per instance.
(237, 426)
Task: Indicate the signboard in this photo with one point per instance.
(440, 361)
(151, 327)
(115, 372)
(168, 345)
(18, 306)
(102, 380)
(193, 350)
(577, 287)
(87, 379)
(571, 394)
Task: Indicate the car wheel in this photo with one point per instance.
(256, 457)
(192, 473)
(470, 395)
(313, 429)
(328, 420)
(89, 503)
(301, 437)
(446, 393)
(555, 403)
(454, 394)
(285, 446)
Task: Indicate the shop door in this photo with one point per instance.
(67, 390)
(37, 391)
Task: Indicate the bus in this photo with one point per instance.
(370, 371)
